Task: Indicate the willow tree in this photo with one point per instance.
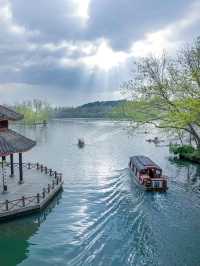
(165, 92)
(34, 111)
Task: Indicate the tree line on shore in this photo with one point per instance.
(37, 111)
(165, 92)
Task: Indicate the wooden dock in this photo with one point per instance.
(40, 187)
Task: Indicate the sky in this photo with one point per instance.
(70, 52)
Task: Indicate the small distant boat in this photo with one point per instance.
(148, 174)
(81, 143)
(156, 140)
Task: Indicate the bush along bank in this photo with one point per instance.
(185, 152)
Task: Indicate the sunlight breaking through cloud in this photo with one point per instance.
(105, 58)
(82, 8)
(86, 47)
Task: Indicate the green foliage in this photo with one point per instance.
(181, 150)
(90, 110)
(165, 92)
(137, 110)
(195, 155)
(185, 152)
(34, 111)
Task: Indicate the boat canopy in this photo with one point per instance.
(143, 162)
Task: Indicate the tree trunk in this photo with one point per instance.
(195, 136)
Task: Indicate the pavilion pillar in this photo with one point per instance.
(20, 169)
(4, 174)
(11, 165)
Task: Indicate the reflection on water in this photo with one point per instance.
(38, 133)
(103, 217)
(14, 235)
(191, 173)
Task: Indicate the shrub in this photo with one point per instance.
(184, 149)
(185, 152)
(195, 155)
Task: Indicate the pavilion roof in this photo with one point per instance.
(12, 142)
(9, 114)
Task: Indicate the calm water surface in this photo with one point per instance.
(102, 217)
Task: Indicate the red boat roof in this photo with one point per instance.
(142, 162)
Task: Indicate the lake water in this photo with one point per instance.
(102, 217)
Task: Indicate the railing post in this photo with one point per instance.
(23, 201)
(38, 198)
(6, 203)
(11, 165)
(43, 193)
(20, 169)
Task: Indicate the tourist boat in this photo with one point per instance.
(81, 143)
(148, 174)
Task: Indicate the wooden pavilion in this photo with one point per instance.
(11, 142)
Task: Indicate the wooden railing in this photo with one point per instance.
(40, 167)
(39, 198)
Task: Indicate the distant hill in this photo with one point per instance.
(89, 110)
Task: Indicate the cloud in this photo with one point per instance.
(105, 58)
(170, 37)
(125, 21)
(85, 47)
(96, 56)
(82, 9)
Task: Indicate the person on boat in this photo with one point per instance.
(81, 143)
(151, 173)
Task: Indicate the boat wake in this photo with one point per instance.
(121, 222)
